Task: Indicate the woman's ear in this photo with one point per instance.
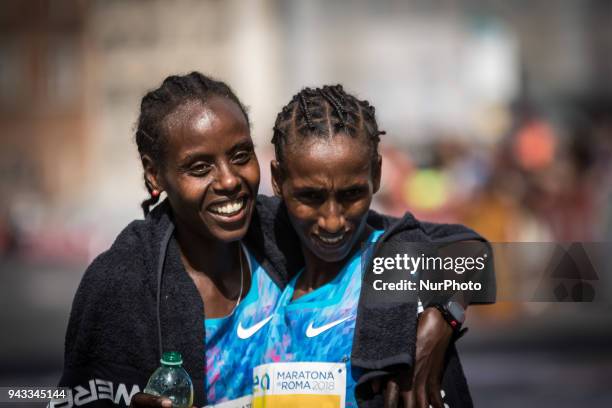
(151, 173)
(277, 178)
(376, 173)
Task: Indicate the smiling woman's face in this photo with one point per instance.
(327, 185)
(210, 172)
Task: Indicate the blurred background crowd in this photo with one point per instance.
(498, 115)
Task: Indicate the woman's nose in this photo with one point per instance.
(227, 180)
(332, 219)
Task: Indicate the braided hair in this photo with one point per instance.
(325, 112)
(158, 104)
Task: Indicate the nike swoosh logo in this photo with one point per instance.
(245, 333)
(313, 332)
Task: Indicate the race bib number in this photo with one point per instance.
(299, 385)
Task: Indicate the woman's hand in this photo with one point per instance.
(421, 387)
(142, 400)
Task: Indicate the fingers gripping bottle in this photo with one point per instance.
(172, 381)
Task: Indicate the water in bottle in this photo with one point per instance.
(172, 381)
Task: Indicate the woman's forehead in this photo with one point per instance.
(338, 148)
(200, 114)
(341, 157)
(200, 124)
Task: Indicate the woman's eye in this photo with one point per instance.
(310, 197)
(199, 169)
(352, 194)
(241, 157)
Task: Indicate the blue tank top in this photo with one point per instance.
(234, 342)
(307, 358)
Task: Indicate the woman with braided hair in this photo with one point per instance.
(197, 274)
(327, 169)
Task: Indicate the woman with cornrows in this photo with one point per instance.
(326, 171)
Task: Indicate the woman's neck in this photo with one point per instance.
(217, 260)
(218, 269)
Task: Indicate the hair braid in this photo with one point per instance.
(338, 91)
(304, 106)
(336, 105)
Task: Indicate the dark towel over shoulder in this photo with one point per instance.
(112, 338)
(385, 334)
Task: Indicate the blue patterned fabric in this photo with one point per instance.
(319, 326)
(234, 342)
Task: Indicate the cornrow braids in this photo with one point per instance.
(325, 92)
(304, 106)
(325, 112)
(338, 92)
(159, 103)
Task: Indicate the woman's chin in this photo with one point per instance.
(230, 236)
(330, 253)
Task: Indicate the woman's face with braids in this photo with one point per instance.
(210, 172)
(327, 185)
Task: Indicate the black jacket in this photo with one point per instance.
(112, 340)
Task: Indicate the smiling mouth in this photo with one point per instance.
(331, 240)
(228, 208)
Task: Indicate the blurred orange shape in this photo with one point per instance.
(535, 145)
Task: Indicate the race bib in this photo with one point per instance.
(299, 385)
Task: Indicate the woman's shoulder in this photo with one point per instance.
(442, 232)
(131, 258)
(116, 294)
(117, 264)
(409, 228)
(132, 241)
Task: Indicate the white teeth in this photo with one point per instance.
(332, 240)
(229, 208)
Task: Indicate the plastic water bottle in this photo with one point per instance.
(172, 381)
